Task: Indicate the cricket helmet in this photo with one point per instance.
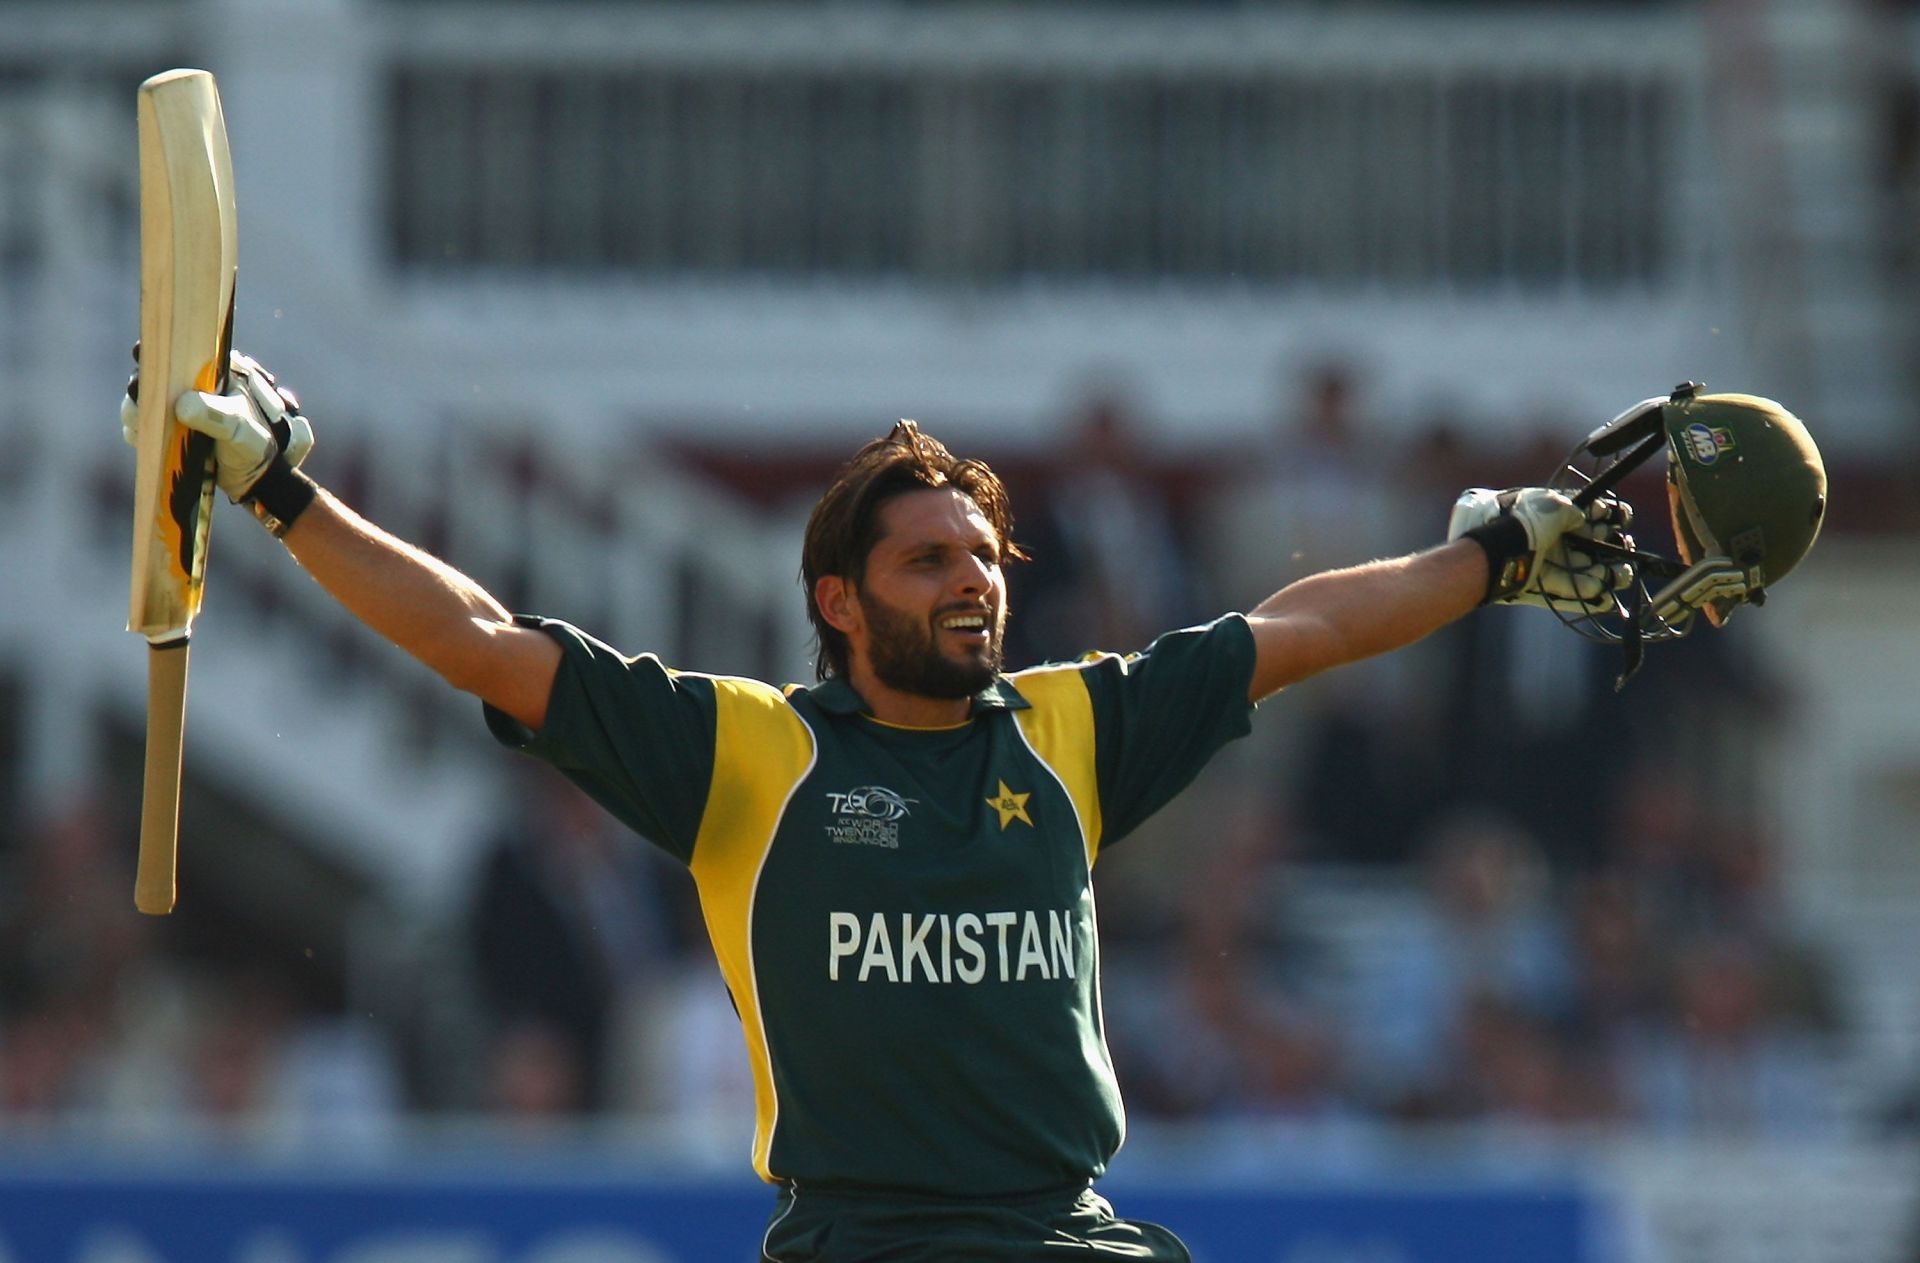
(1745, 482)
(1746, 493)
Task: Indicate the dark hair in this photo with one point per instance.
(845, 524)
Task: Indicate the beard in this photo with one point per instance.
(905, 657)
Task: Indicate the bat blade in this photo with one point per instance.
(188, 260)
(188, 255)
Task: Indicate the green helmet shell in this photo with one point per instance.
(1745, 481)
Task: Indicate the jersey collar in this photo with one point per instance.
(836, 697)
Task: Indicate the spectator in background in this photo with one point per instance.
(1357, 745)
(1109, 568)
(1314, 485)
(1729, 1061)
(70, 955)
(567, 927)
(1617, 961)
(263, 1062)
(1255, 1051)
(533, 1073)
(66, 933)
(696, 1083)
(1487, 945)
(1728, 1030)
(1523, 696)
(97, 1021)
(1510, 1064)
(1255, 1046)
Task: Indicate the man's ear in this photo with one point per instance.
(838, 603)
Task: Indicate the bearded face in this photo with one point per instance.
(952, 653)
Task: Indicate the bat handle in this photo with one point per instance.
(153, 886)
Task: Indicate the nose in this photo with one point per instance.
(973, 576)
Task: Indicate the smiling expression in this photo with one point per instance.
(932, 603)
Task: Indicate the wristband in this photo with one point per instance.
(280, 496)
(1509, 555)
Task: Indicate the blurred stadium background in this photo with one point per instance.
(1462, 957)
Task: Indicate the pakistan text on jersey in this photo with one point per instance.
(940, 947)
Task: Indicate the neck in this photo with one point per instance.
(910, 710)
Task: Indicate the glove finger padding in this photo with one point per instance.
(1586, 579)
(1520, 530)
(255, 421)
(243, 447)
(1577, 581)
(1609, 511)
(277, 406)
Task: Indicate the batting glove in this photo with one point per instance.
(272, 405)
(1532, 538)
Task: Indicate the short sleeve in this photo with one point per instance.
(1161, 714)
(635, 735)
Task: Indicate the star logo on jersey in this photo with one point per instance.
(1011, 807)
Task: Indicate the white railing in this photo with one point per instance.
(1487, 206)
(1262, 149)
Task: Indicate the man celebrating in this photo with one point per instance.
(895, 862)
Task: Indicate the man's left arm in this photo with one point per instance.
(1340, 616)
(1520, 546)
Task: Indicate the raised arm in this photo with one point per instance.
(1508, 546)
(426, 607)
(1340, 616)
(414, 599)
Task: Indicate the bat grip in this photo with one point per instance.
(153, 886)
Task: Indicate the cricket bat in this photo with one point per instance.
(188, 254)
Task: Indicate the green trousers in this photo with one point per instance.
(811, 1227)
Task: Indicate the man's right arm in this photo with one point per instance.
(428, 608)
(414, 599)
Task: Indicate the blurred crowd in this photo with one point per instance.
(1468, 882)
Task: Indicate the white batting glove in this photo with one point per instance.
(276, 406)
(255, 421)
(243, 447)
(1532, 539)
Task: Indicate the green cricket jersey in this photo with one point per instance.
(905, 916)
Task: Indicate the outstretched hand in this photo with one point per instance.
(1533, 537)
(254, 422)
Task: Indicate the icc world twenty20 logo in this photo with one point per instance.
(867, 816)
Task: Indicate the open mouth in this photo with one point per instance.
(969, 626)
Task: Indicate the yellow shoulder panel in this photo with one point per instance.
(762, 751)
(1058, 727)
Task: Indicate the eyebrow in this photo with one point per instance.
(924, 544)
